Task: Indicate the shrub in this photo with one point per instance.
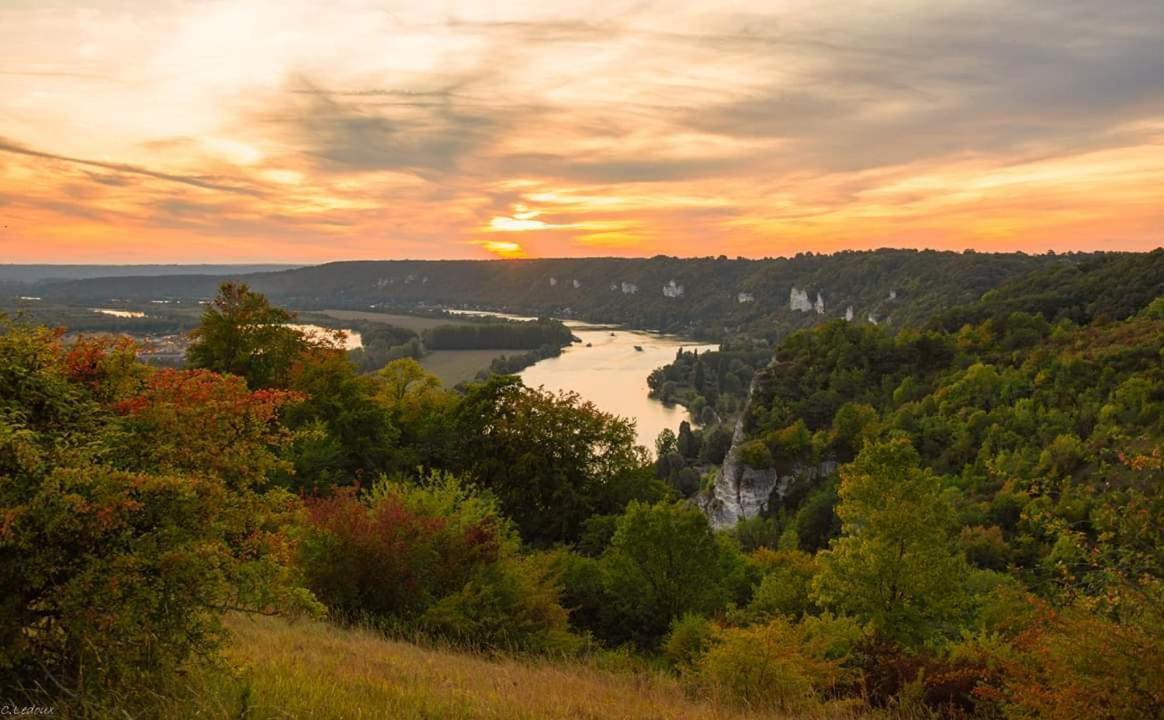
(756, 454)
(757, 532)
(512, 605)
(434, 556)
(129, 518)
(777, 666)
(1075, 663)
(691, 635)
(985, 547)
(785, 584)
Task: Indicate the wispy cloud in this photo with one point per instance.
(280, 129)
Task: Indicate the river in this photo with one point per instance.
(606, 369)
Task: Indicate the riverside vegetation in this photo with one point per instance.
(991, 546)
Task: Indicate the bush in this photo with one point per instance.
(663, 562)
(511, 605)
(757, 532)
(129, 518)
(691, 635)
(755, 453)
(785, 585)
(437, 557)
(780, 666)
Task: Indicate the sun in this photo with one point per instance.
(504, 248)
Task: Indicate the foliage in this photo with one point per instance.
(420, 408)
(894, 564)
(133, 514)
(780, 665)
(243, 334)
(785, 583)
(551, 460)
(689, 638)
(664, 562)
(435, 556)
(1077, 663)
(343, 435)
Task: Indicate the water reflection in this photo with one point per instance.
(607, 369)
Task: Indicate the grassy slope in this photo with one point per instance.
(315, 670)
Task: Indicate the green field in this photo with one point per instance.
(456, 366)
(411, 322)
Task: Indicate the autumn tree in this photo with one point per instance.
(133, 512)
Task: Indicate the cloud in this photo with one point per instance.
(640, 125)
(619, 168)
(206, 183)
(429, 138)
(1025, 75)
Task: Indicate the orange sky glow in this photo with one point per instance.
(294, 131)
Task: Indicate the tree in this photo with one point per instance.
(551, 460)
(664, 561)
(343, 434)
(434, 554)
(419, 407)
(687, 442)
(243, 334)
(666, 443)
(133, 512)
(894, 564)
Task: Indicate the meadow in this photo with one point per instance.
(277, 668)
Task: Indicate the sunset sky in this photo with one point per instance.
(306, 131)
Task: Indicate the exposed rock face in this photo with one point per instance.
(742, 491)
(629, 288)
(553, 281)
(798, 300)
(745, 297)
(577, 284)
(819, 304)
(849, 313)
(672, 290)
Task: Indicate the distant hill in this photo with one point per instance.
(38, 273)
(704, 296)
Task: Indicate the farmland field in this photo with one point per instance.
(455, 366)
(411, 322)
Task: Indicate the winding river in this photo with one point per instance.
(608, 370)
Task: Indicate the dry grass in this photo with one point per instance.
(315, 670)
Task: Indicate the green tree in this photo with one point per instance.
(344, 435)
(665, 561)
(666, 443)
(243, 334)
(894, 564)
(688, 444)
(551, 460)
(420, 408)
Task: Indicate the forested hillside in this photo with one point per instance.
(984, 541)
(707, 296)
